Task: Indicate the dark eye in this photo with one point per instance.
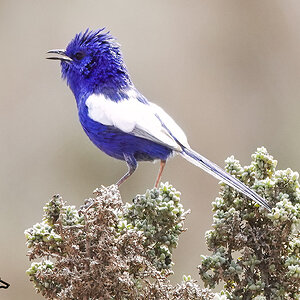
(79, 55)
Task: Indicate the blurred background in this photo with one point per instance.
(227, 71)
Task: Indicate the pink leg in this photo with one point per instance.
(162, 165)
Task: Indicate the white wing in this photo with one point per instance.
(145, 120)
(171, 125)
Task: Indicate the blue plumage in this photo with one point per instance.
(117, 118)
(97, 66)
(115, 142)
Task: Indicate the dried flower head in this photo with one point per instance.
(108, 250)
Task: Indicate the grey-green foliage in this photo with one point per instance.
(108, 250)
(44, 236)
(159, 215)
(256, 253)
(115, 251)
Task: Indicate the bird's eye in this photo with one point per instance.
(79, 55)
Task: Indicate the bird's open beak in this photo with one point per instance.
(61, 55)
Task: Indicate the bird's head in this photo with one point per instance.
(93, 63)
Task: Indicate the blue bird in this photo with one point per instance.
(118, 119)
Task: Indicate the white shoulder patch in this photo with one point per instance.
(108, 112)
(137, 118)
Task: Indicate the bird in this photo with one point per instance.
(118, 119)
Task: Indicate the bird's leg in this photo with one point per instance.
(132, 165)
(162, 166)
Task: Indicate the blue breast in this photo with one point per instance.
(116, 143)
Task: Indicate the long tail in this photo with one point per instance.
(208, 166)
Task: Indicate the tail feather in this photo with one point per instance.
(208, 166)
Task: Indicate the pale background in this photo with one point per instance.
(227, 71)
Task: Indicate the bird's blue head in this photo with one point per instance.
(93, 63)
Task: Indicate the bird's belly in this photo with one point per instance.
(116, 143)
